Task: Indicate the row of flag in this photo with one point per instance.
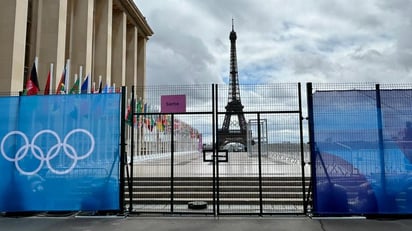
(32, 86)
(162, 122)
(149, 121)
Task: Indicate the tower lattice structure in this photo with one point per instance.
(234, 107)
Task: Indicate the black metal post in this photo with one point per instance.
(302, 151)
(132, 110)
(311, 142)
(259, 130)
(213, 153)
(380, 138)
(122, 149)
(216, 149)
(172, 150)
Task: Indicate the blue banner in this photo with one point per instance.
(363, 152)
(60, 152)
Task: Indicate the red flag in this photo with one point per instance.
(47, 88)
(92, 90)
(32, 84)
(147, 122)
(130, 116)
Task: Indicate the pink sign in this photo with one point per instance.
(173, 103)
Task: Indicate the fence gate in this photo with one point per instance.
(193, 150)
(259, 165)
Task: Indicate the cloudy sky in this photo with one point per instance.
(279, 41)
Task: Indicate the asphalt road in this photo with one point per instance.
(113, 223)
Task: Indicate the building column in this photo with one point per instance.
(131, 56)
(141, 66)
(119, 48)
(102, 65)
(81, 36)
(51, 39)
(13, 24)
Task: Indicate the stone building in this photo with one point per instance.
(104, 38)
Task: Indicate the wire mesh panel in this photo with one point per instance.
(281, 168)
(193, 178)
(171, 126)
(238, 179)
(195, 159)
(262, 173)
(361, 149)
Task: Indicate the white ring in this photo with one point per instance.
(26, 146)
(54, 150)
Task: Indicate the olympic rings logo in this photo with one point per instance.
(52, 153)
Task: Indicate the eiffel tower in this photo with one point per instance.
(227, 134)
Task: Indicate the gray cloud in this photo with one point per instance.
(278, 41)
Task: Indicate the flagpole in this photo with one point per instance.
(80, 79)
(74, 84)
(139, 133)
(36, 62)
(67, 77)
(51, 78)
(89, 84)
(36, 65)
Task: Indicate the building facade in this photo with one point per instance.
(104, 39)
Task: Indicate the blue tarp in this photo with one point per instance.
(362, 152)
(59, 152)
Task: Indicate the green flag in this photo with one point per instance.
(139, 107)
(75, 88)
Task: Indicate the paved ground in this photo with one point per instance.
(199, 224)
(239, 164)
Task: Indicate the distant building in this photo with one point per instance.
(103, 37)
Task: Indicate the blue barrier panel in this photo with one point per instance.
(363, 152)
(60, 153)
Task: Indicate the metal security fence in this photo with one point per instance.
(182, 160)
(268, 175)
(360, 137)
(166, 171)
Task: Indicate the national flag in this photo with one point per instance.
(100, 86)
(93, 90)
(159, 124)
(60, 87)
(145, 108)
(165, 122)
(75, 87)
(85, 85)
(152, 123)
(105, 89)
(139, 108)
(147, 122)
(129, 115)
(32, 84)
(47, 88)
